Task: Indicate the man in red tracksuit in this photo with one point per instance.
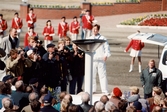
(3, 26)
(87, 21)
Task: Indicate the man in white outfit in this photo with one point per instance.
(99, 61)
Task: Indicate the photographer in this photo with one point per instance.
(35, 70)
(50, 67)
(16, 63)
(77, 70)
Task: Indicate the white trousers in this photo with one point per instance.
(46, 42)
(74, 36)
(100, 68)
(87, 33)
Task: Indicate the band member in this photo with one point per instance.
(31, 18)
(3, 26)
(29, 34)
(17, 23)
(87, 21)
(136, 46)
(48, 32)
(74, 29)
(63, 27)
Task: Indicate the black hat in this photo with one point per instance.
(7, 77)
(50, 45)
(33, 81)
(1, 15)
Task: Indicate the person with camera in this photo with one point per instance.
(35, 70)
(64, 64)
(16, 63)
(50, 66)
(77, 70)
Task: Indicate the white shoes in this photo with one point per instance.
(139, 68)
(131, 68)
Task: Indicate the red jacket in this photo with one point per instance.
(135, 44)
(17, 24)
(87, 22)
(3, 26)
(49, 30)
(32, 18)
(74, 26)
(62, 29)
(26, 43)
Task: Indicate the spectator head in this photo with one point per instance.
(35, 106)
(50, 48)
(156, 91)
(116, 110)
(7, 79)
(130, 109)
(64, 104)
(62, 95)
(13, 32)
(67, 40)
(134, 90)
(7, 103)
(109, 106)
(31, 41)
(47, 100)
(2, 88)
(13, 53)
(151, 63)
(116, 92)
(73, 108)
(157, 109)
(19, 85)
(29, 89)
(39, 43)
(163, 103)
(85, 97)
(104, 99)
(44, 90)
(33, 96)
(137, 105)
(157, 99)
(99, 106)
(33, 82)
(68, 97)
(8, 88)
(30, 54)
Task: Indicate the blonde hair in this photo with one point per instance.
(157, 100)
(31, 38)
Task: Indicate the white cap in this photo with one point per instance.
(29, 52)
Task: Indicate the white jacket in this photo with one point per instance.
(103, 50)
